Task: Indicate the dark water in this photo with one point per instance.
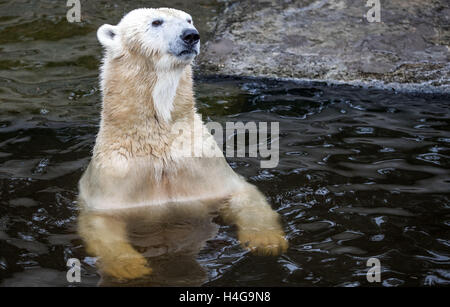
(362, 173)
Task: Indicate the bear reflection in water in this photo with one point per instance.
(167, 237)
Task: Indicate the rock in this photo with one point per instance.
(333, 41)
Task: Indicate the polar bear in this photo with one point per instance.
(137, 165)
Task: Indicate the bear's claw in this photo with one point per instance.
(126, 267)
(265, 242)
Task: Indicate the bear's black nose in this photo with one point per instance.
(190, 36)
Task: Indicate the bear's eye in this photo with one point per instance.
(157, 23)
(189, 21)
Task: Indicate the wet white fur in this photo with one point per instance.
(136, 163)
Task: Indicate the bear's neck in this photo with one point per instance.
(140, 104)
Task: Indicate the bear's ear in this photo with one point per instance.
(107, 35)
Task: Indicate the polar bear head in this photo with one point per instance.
(165, 36)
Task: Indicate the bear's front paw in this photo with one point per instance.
(126, 267)
(263, 242)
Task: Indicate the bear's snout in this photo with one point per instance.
(190, 36)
